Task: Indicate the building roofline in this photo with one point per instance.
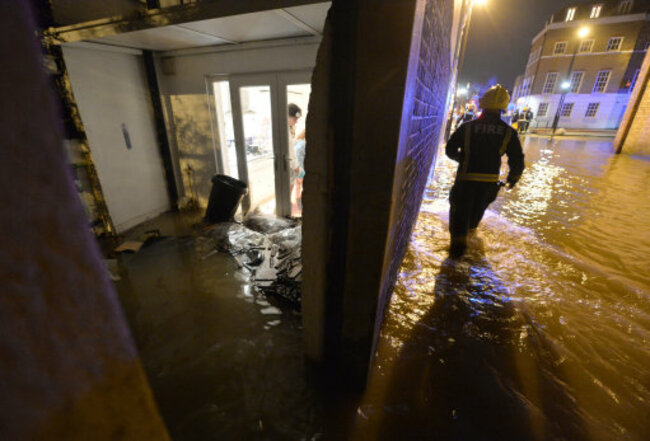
(644, 16)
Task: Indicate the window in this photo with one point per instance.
(543, 109)
(614, 44)
(592, 110)
(570, 14)
(560, 47)
(634, 80)
(625, 7)
(576, 81)
(549, 85)
(586, 46)
(567, 109)
(601, 81)
(595, 11)
(534, 56)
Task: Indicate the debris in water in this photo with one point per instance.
(272, 255)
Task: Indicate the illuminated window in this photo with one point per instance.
(595, 11)
(586, 46)
(543, 109)
(560, 48)
(592, 110)
(576, 81)
(567, 109)
(634, 79)
(551, 80)
(614, 44)
(570, 14)
(625, 7)
(602, 79)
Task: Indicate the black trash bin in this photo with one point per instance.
(225, 197)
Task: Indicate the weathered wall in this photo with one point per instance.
(378, 104)
(112, 94)
(67, 12)
(186, 100)
(634, 133)
(68, 367)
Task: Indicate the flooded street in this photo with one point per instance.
(542, 332)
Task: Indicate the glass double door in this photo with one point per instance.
(260, 129)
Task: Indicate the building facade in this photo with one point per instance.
(584, 65)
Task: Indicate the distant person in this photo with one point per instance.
(478, 147)
(524, 120)
(469, 115)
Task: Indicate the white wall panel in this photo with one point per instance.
(111, 90)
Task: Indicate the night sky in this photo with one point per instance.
(500, 36)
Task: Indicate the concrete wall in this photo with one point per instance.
(634, 133)
(378, 104)
(186, 98)
(68, 367)
(112, 94)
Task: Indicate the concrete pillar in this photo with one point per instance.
(68, 367)
(377, 106)
(633, 133)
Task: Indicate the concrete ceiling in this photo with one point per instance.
(295, 21)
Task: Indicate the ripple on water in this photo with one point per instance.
(547, 319)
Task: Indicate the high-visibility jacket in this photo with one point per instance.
(478, 147)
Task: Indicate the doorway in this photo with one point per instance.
(256, 141)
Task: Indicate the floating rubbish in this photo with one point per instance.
(272, 254)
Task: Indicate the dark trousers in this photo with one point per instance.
(469, 200)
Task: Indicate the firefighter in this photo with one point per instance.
(469, 115)
(478, 147)
(525, 119)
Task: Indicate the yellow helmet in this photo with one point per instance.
(496, 98)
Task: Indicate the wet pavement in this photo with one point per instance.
(542, 332)
(224, 362)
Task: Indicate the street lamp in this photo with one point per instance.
(461, 54)
(566, 83)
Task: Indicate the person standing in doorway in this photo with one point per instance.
(294, 114)
(478, 147)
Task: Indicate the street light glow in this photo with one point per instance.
(583, 32)
(480, 2)
(462, 92)
(566, 85)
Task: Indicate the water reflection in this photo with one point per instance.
(542, 332)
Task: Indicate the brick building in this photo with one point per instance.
(585, 62)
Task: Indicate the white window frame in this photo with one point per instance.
(575, 88)
(609, 47)
(563, 110)
(605, 84)
(546, 89)
(570, 14)
(588, 49)
(625, 6)
(593, 109)
(562, 44)
(596, 11)
(542, 106)
(635, 78)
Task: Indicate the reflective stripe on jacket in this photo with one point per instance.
(478, 147)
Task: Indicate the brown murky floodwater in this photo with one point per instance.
(543, 331)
